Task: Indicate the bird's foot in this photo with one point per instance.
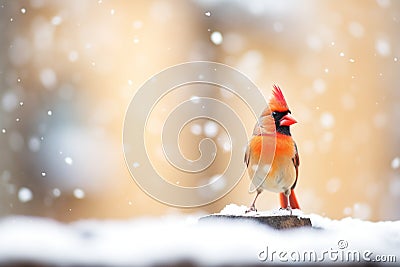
(288, 208)
(252, 208)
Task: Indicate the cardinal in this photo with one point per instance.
(271, 157)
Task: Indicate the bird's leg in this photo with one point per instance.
(253, 205)
(287, 195)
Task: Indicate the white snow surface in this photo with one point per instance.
(167, 240)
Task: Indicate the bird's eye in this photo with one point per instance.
(274, 113)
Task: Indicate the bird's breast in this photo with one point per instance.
(272, 157)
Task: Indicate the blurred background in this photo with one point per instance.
(68, 70)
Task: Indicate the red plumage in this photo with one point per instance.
(272, 157)
(277, 102)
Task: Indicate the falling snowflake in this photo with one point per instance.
(319, 86)
(395, 163)
(383, 48)
(56, 192)
(56, 20)
(24, 194)
(195, 129)
(68, 160)
(73, 56)
(34, 144)
(211, 129)
(327, 120)
(216, 38)
(48, 78)
(79, 193)
(136, 164)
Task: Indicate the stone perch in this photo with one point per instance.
(276, 222)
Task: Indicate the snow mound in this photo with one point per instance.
(168, 240)
(235, 210)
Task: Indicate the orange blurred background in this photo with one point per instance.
(68, 70)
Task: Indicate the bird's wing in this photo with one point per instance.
(247, 156)
(296, 162)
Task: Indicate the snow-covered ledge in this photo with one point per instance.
(170, 240)
(277, 219)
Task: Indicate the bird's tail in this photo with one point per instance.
(292, 199)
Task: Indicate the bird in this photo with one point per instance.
(271, 156)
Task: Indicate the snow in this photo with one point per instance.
(216, 38)
(395, 163)
(73, 55)
(319, 86)
(3, 130)
(56, 20)
(137, 24)
(48, 78)
(49, 112)
(56, 192)
(208, 14)
(136, 164)
(68, 160)
(356, 29)
(34, 144)
(210, 129)
(23, 10)
(79, 193)
(196, 129)
(43, 174)
(383, 48)
(171, 239)
(24, 194)
(9, 101)
(327, 120)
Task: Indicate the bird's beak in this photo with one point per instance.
(287, 120)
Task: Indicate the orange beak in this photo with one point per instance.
(287, 120)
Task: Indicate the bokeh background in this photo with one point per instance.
(68, 70)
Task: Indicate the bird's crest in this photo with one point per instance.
(277, 101)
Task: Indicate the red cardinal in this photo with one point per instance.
(271, 157)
